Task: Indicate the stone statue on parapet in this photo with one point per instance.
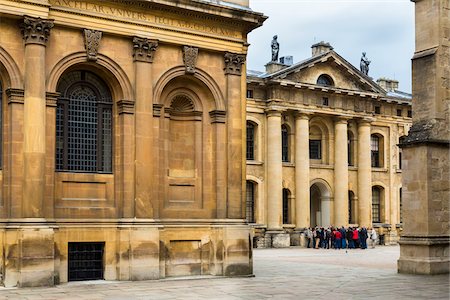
(364, 64)
(275, 49)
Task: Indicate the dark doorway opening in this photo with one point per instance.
(86, 261)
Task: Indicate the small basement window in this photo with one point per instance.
(86, 261)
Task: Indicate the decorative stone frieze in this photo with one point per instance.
(218, 116)
(233, 63)
(15, 96)
(190, 55)
(36, 30)
(144, 49)
(92, 40)
(125, 107)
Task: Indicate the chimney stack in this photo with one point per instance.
(389, 85)
(320, 48)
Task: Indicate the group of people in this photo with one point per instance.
(340, 238)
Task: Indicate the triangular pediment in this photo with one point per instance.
(343, 74)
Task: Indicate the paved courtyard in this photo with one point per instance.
(293, 273)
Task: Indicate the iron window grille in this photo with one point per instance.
(315, 149)
(250, 141)
(286, 206)
(85, 261)
(375, 151)
(250, 202)
(376, 205)
(84, 124)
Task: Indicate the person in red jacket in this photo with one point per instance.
(356, 237)
(337, 239)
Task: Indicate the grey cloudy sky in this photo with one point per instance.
(382, 28)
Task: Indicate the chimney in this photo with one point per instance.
(320, 48)
(287, 60)
(389, 85)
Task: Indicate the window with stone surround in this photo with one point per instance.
(83, 124)
(376, 204)
(285, 143)
(350, 148)
(401, 204)
(251, 130)
(315, 149)
(325, 80)
(286, 206)
(376, 149)
(250, 201)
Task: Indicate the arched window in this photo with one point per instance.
(286, 206)
(251, 140)
(250, 202)
(351, 208)
(325, 79)
(376, 147)
(83, 124)
(376, 204)
(350, 148)
(284, 143)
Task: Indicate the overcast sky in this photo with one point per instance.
(384, 29)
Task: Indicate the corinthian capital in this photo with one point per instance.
(144, 49)
(233, 63)
(36, 30)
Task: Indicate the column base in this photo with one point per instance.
(425, 255)
(279, 238)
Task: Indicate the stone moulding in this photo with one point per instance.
(190, 55)
(92, 40)
(36, 30)
(125, 107)
(144, 49)
(15, 96)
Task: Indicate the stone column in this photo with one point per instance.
(364, 175)
(302, 197)
(233, 70)
(340, 173)
(35, 32)
(425, 240)
(143, 52)
(274, 171)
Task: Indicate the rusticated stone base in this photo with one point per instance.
(37, 255)
(424, 255)
(280, 240)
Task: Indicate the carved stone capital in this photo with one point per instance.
(233, 63)
(190, 59)
(92, 40)
(144, 49)
(36, 30)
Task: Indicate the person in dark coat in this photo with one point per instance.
(363, 238)
(349, 236)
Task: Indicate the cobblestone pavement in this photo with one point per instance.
(293, 273)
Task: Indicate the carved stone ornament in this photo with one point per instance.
(233, 63)
(190, 58)
(36, 30)
(92, 40)
(144, 49)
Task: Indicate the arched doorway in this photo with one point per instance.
(320, 204)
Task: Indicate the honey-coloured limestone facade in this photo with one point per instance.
(322, 149)
(122, 140)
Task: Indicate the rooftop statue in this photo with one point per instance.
(275, 49)
(364, 64)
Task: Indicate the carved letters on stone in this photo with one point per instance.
(36, 30)
(190, 58)
(233, 63)
(92, 40)
(144, 49)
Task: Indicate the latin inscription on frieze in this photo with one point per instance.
(139, 16)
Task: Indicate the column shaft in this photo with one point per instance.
(302, 188)
(34, 131)
(340, 174)
(274, 171)
(364, 175)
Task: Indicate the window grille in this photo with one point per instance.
(325, 80)
(375, 151)
(315, 149)
(250, 141)
(286, 206)
(376, 203)
(83, 124)
(250, 202)
(85, 261)
(285, 144)
(401, 205)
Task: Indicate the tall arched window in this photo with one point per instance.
(351, 208)
(286, 206)
(251, 141)
(83, 124)
(376, 148)
(350, 148)
(376, 204)
(325, 79)
(284, 143)
(250, 202)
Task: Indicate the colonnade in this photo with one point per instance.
(302, 171)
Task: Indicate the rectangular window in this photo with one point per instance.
(286, 206)
(315, 149)
(400, 160)
(376, 205)
(284, 144)
(399, 112)
(250, 94)
(250, 202)
(401, 206)
(409, 113)
(85, 261)
(250, 142)
(377, 110)
(375, 151)
(325, 101)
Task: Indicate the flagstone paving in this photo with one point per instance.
(293, 273)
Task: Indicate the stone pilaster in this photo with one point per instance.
(425, 240)
(233, 71)
(364, 174)
(340, 173)
(36, 32)
(145, 187)
(274, 171)
(218, 119)
(302, 188)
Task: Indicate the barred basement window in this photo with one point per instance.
(83, 124)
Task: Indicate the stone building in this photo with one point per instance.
(322, 148)
(122, 139)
